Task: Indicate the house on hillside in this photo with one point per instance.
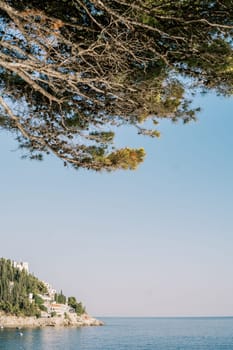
(51, 290)
(60, 309)
(22, 265)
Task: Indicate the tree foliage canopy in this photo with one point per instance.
(74, 72)
(77, 306)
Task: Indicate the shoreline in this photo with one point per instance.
(70, 320)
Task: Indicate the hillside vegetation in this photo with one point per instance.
(15, 286)
(22, 294)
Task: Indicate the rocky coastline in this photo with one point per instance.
(69, 320)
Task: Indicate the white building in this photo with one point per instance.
(22, 265)
(51, 290)
(60, 309)
(30, 297)
(46, 298)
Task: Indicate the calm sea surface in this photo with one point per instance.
(128, 333)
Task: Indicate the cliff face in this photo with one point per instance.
(70, 320)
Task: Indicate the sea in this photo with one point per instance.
(214, 333)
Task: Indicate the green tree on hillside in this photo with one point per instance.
(71, 74)
(60, 298)
(78, 307)
(15, 286)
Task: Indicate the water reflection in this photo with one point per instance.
(128, 334)
(37, 339)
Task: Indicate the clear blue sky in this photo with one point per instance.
(154, 242)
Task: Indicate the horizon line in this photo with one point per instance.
(196, 316)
